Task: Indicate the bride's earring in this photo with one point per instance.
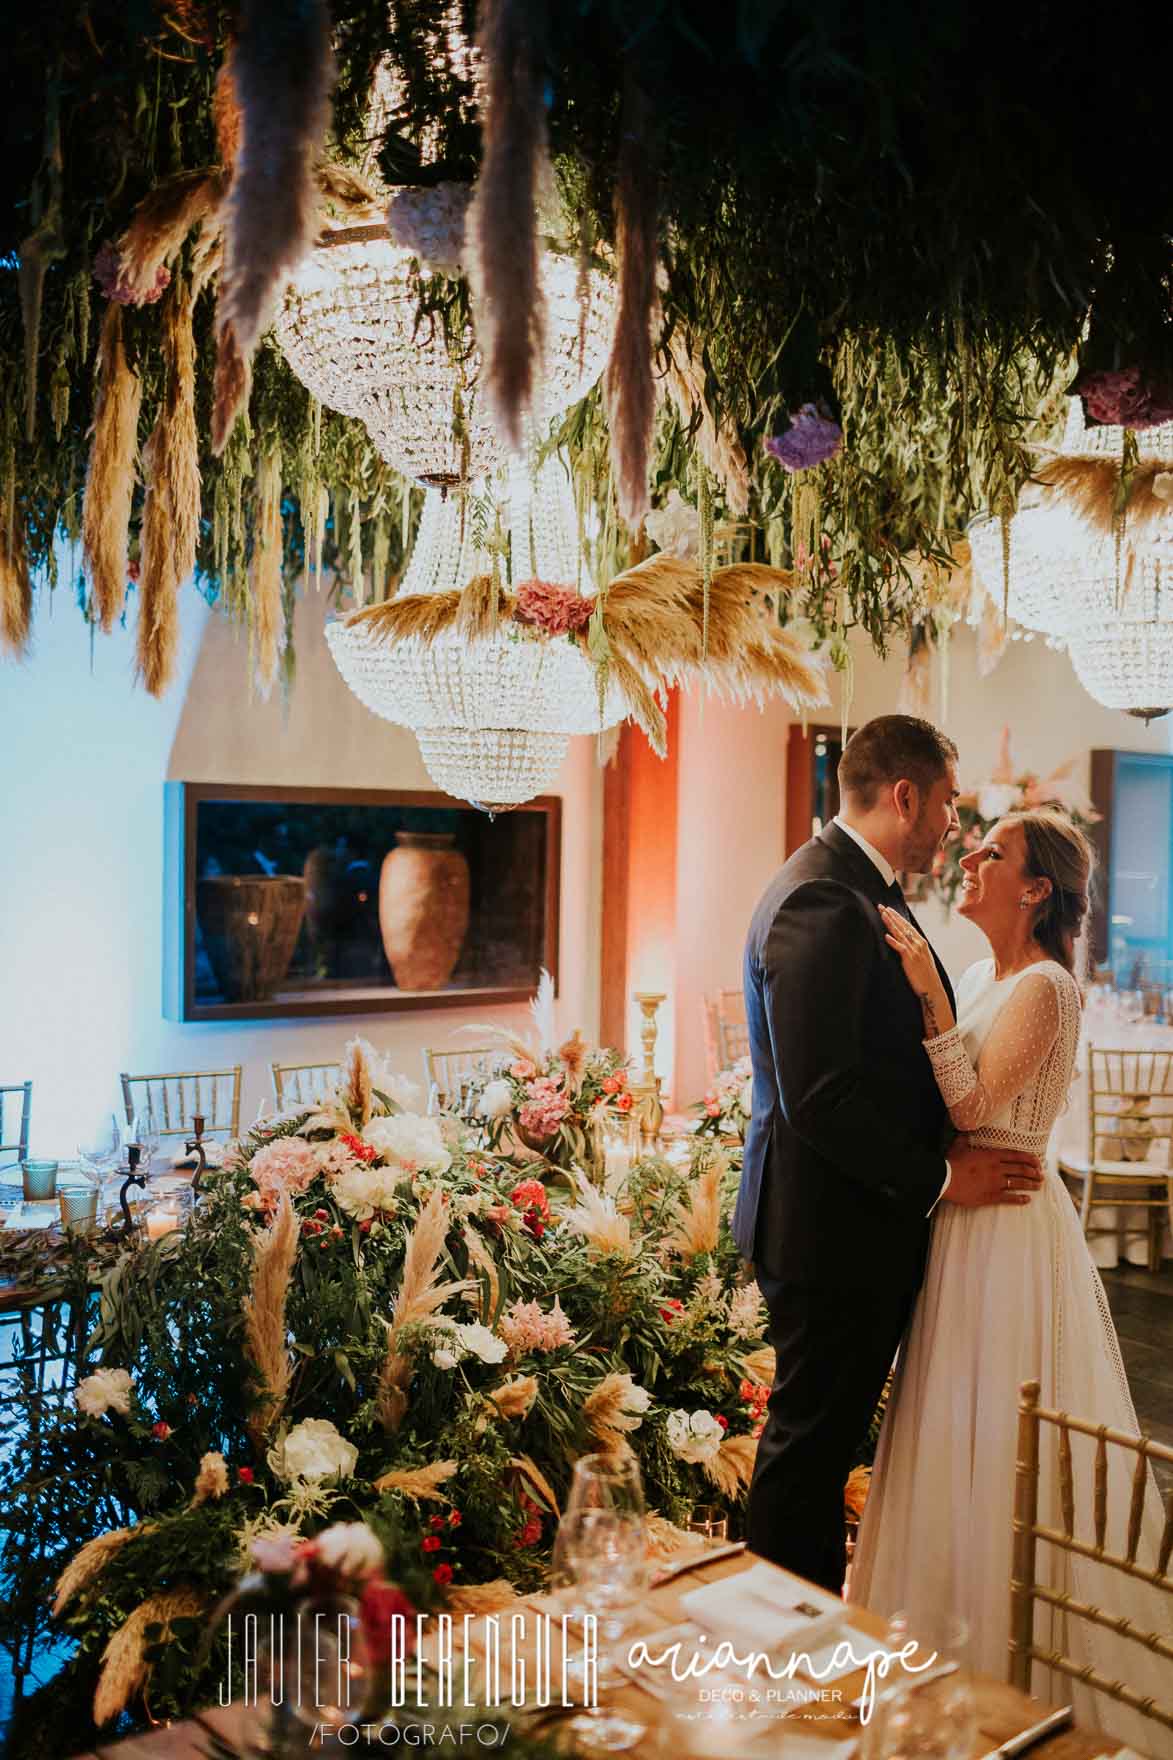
(1024, 903)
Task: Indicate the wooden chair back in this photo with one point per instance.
(1026, 1590)
(176, 1097)
(16, 1104)
(296, 1084)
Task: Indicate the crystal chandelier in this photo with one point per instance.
(494, 714)
(1102, 593)
(350, 330)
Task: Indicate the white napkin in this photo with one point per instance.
(768, 1608)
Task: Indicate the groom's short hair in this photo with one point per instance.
(889, 749)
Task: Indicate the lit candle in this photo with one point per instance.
(161, 1222)
(616, 1165)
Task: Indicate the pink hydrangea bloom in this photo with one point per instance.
(1121, 399)
(545, 1107)
(811, 439)
(287, 1164)
(115, 284)
(555, 610)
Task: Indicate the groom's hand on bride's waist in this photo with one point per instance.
(990, 1176)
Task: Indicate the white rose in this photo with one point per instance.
(351, 1548)
(106, 1390)
(997, 798)
(634, 1397)
(363, 1190)
(497, 1099)
(480, 1342)
(410, 1139)
(314, 1449)
(694, 1436)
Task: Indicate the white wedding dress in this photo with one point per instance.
(1010, 1294)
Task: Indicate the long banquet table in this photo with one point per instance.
(1002, 1710)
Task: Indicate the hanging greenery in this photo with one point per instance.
(900, 220)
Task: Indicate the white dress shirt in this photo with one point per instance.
(887, 874)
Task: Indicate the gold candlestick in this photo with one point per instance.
(646, 1092)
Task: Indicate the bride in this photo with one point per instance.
(1010, 1294)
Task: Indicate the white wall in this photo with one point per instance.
(732, 798)
(85, 758)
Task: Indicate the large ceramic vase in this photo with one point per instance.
(250, 924)
(423, 908)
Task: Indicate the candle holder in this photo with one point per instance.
(649, 1109)
(195, 1146)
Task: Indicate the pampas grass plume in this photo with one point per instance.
(171, 508)
(110, 477)
(275, 1252)
(124, 1666)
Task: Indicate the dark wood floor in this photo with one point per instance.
(1142, 1307)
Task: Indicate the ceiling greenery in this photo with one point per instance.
(923, 220)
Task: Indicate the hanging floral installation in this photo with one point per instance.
(851, 390)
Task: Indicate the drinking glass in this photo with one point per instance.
(933, 1721)
(101, 1149)
(606, 1549)
(39, 1180)
(607, 1481)
(335, 1664)
(145, 1132)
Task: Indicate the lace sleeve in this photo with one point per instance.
(1015, 1049)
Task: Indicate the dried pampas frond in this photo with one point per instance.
(344, 187)
(481, 1598)
(596, 1218)
(171, 508)
(231, 385)
(282, 75)
(211, 1480)
(855, 1492)
(479, 608)
(420, 1483)
(419, 1296)
(655, 621)
(161, 224)
(665, 1539)
(268, 615)
(511, 42)
(513, 1398)
(274, 1255)
(606, 1413)
(125, 1669)
(536, 1480)
(731, 1468)
(418, 616)
(105, 520)
(358, 1083)
(16, 587)
(698, 1222)
(628, 384)
(761, 1365)
(718, 443)
(542, 1011)
(91, 1561)
(1090, 486)
(480, 1257)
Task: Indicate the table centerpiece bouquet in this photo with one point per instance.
(728, 1103)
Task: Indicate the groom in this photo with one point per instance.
(845, 1154)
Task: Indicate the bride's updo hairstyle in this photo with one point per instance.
(1058, 851)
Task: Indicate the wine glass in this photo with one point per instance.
(145, 1132)
(607, 1481)
(606, 1550)
(101, 1149)
(933, 1721)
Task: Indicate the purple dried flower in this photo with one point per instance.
(812, 438)
(1119, 399)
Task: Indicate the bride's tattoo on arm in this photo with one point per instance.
(927, 1009)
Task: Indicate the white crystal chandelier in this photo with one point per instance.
(493, 715)
(351, 331)
(1106, 598)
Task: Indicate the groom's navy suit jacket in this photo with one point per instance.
(844, 1156)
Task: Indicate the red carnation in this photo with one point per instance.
(360, 1150)
(442, 1573)
(672, 1310)
(431, 1543)
(161, 1431)
(454, 1519)
(245, 1475)
(437, 1522)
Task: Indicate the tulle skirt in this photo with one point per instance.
(1011, 1295)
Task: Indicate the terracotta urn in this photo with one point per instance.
(423, 908)
(250, 924)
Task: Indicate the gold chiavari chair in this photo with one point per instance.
(726, 1030)
(296, 1084)
(1025, 1590)
(176, 1098)
(448, 1073)
(1130, 1132)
